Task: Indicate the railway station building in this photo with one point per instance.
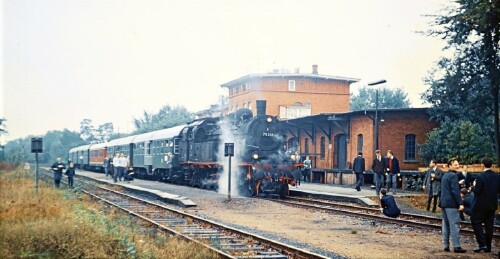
(316, 109)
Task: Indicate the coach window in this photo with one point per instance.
(360, 143)
(322, 148)
(306, 146)
(410, 147)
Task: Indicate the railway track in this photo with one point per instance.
(407, 219)
(228, 242)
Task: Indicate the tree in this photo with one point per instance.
(472, 26)
(104, 132)
(55, 143)
(167, 117)
(387, 98)
(3, 129)
(463, 139)
(87, 131)
(91, 135)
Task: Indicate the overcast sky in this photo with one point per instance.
(109, 60)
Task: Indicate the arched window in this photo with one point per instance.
(249, 105)
(410, 147)
(360, 143)
(244, 105)
(306, 146)
(322, 148)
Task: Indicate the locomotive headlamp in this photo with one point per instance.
(292, 156)
(255, 155)
(269, 119)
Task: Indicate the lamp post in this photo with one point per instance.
(375, 142)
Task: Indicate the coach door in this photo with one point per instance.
(341, 150)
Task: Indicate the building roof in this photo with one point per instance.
(288, 75)
(333, 116)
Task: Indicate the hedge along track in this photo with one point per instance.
(227, 242)
(407, 219)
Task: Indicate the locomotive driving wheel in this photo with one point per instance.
(196, 179)
(248, 188)
(283, 190)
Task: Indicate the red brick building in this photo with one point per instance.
(316, 109)
(334, 139)
(291, 95)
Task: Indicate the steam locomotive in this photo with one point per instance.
(193, 154)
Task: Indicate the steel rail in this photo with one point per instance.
(369, 213)
(286, 251)
(436, 220)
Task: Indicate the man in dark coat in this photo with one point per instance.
(486, 189)
(58, 168)
(388, 204)
(432, 184)
(70, 172)
(378, 168)
(451, 203)
(359, 168)
(393, 171)
(464, 178)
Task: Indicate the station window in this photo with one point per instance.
(249, 105)
(291, 85)
(410, 147)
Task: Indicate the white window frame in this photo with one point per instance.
(291, 85)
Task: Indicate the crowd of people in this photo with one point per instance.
(118, 168)
(456, 192)
(383, 168)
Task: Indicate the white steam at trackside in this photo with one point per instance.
(227, 136)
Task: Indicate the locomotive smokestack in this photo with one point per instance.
(261, 107)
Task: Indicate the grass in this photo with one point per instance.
(60, 223)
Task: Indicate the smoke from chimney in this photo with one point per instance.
(315, 69)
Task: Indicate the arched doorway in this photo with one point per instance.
(341, 151)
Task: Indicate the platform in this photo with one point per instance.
(142, 186)
(343, 193)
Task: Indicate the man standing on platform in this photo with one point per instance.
(378, 171)
(392, 172)
(451, 204)
(432, 184)
(486, 189)
(307, 169)
(359, 168)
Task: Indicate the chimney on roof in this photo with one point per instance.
(315, 69)
(297, 70)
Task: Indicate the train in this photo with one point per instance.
(192, 154)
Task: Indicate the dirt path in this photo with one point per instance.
(354, 238)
